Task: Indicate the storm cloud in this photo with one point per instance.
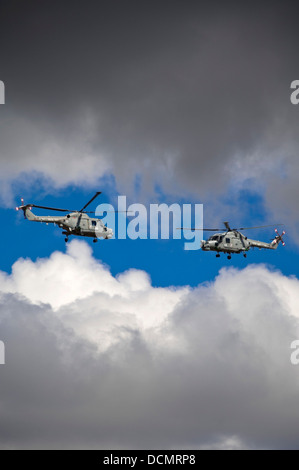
(190, 96)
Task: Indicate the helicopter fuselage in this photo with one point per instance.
(234, 242)
(75, 223)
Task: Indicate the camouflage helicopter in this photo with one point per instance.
(73, 223)
(233, 241)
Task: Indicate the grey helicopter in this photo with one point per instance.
(74, 222)
(233, 241)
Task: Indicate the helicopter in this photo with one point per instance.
(233, 241)
(74, 222)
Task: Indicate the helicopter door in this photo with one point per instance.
(227, 241)
(83, 224)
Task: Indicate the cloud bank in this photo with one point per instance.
(94, 361)
(193, 98)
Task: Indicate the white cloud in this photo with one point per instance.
(75, 282)
(98, 361)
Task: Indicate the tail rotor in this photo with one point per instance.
(23, 207)
(22, 204)
(279, 238)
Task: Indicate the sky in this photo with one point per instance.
(130, 344)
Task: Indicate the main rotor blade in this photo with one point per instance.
(260, 226)
(60, 210)
(96, 195)
(230, 230)
(116, 212)
(203, 229)
(51, 208)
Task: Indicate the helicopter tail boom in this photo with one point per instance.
(270, 246)
(28, 214)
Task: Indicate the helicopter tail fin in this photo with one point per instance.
(28, 214)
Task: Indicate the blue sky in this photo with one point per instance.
(166, 261)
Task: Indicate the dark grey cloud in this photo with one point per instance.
(182, 93)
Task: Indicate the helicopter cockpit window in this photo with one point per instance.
(94, 223)
(227, 240)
